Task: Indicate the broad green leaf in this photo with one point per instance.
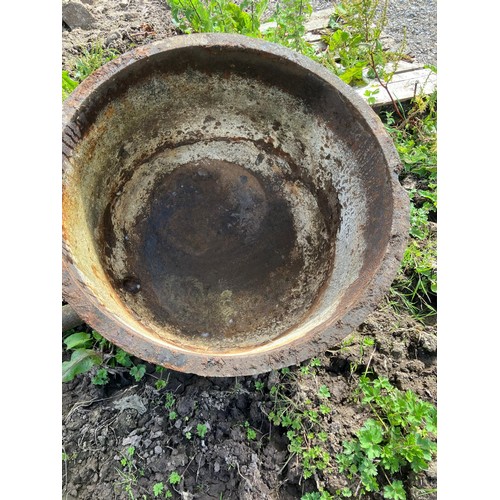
(371, 433)
(368, 468)
(80, 339)
(82, 360)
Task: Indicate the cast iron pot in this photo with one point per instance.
(229, 206)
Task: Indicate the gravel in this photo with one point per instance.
(418, 17)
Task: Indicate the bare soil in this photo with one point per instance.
(101, 422)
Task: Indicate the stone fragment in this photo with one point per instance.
(428, 341)
(75, 15)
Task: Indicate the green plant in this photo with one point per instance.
(416, 285)
(101, 377)
(82, 359)
(323, 392)
(158, 489)
(91, 351)
(317, 495)
(128, 477)
(68, 85)
(290, 17)
(127, 458)
(201, 430)
(359, 344)
(259, 386)
(160, 384)
(174, 478)
(66, 457)
(169, 400)
(315, 362)
(218, 16)
(415, 137)
(92, 59)
(400, 437)
(138, 372)
(355, 51)
(303, 419)
(251, 433)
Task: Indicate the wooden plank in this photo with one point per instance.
(402, 89)
(319, 19)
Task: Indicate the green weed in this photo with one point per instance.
(174, 478)
(68, 85)
(415, 138)
(355, 52)
(218, 16)
(91, 351)
(290, 17)
(303, 420)
(201, 430)
(250, 432)
(400, 437)
(158, 489)
(128, 474)
(90, 60)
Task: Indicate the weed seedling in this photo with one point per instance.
(303, 420)
(174, 478)
(323, 392)
(158, 489)
(128, 473)
(259, 386)
(251, 433)
(169, 401)
(160, 384)
(201, 430)
(138, 372)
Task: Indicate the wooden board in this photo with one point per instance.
(409, 79)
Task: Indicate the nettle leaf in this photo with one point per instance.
(76, 340)
(82, 360)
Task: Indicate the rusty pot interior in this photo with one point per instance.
(220, 198)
